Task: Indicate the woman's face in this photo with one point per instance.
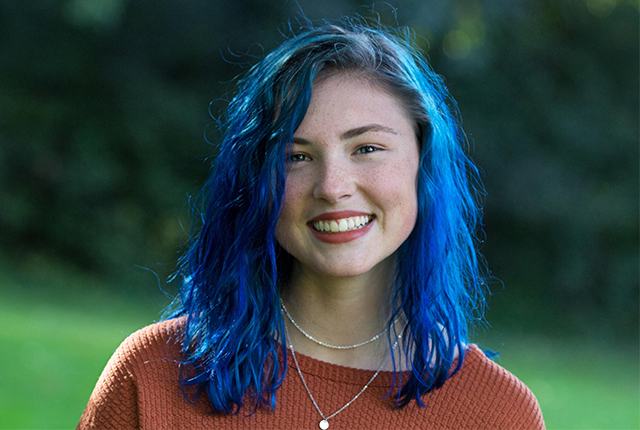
(350, 198)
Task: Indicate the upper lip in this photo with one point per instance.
(329, 216)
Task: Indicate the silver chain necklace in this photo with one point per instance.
(324, 423)
(319, 342)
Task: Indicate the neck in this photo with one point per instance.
(341, 311)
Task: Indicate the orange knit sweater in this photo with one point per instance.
(139, 388)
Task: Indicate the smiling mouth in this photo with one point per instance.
(342, 225)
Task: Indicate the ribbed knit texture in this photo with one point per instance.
(139, 388)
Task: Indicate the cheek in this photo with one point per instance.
(408, 207)
(398, 189)
(412, 199)
(292, 198)
(292, 209)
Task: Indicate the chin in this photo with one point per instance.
(343, 270)
(343, 274)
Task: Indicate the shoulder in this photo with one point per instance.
(146, 362)
(487, 374)
(148, 354)
(161, 341)
(494, 395)
(155, 339)
(483, 395)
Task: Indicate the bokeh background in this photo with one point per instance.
(105, 115)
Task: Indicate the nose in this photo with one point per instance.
(335, 181)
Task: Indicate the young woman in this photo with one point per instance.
(335, 275)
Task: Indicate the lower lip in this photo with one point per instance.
(343, 237)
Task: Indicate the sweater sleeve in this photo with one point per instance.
(114, 401)
(516, 408)
(508, 402)
(529, 413)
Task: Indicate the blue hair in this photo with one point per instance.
(233, 271)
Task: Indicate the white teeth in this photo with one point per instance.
(342, 225)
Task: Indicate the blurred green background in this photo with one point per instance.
(104, 117)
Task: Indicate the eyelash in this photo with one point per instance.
(293, 156)
(367, 149)
(364, 150)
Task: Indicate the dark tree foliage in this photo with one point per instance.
(550, 99)
(104, 121)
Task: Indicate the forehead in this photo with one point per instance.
(347, 101)
(356, 80)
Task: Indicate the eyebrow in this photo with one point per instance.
(354, 132)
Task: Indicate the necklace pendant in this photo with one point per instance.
(324, 424)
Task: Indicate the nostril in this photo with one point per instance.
(335, 186)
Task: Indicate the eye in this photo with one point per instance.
(367, 149)
(296, 158)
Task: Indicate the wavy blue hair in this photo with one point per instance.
(233, 271)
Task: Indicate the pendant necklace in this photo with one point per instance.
(319, 342)
(324, 423)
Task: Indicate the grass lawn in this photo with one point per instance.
(58, 331)
(56, 340)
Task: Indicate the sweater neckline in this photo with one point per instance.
(310, 366)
